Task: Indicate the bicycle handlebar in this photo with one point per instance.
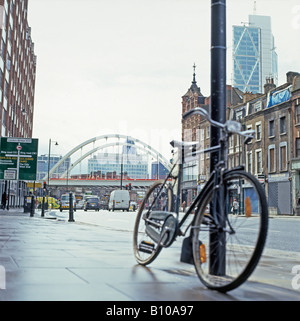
(230, 126)
(201, 111)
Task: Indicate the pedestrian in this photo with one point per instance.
(3, 202)
(235, 206)
(183, 206)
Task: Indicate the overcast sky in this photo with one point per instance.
(122, 66)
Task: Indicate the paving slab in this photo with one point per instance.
(56, 260)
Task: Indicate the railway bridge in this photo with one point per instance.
(68, 181)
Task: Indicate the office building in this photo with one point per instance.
(42, 166)
(17, 82)
(254, 55)
(158, 170)
(17, 70)
(129, 162)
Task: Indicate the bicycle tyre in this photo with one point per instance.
(141, 241)
(241, 251)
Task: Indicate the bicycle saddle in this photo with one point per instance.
(179, 144)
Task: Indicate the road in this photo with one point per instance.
(283, 233)
(281, 254)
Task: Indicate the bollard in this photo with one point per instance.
(32, 206)
(71, 218)
(43, 207)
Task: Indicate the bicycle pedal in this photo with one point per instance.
(146, 247)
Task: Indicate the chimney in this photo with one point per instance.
(269, 85)
(290, 76)
(248, 96)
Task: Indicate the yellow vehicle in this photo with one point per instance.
(52, 202)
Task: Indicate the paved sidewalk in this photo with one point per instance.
(48, 259)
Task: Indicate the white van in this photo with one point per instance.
(119, 200)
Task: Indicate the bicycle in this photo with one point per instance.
(224, 248)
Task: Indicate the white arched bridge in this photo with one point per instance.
(97, 144)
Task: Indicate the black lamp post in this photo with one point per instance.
(218, 113)
(56, 144)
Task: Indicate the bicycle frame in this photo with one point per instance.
(199, 196)
(215, 177)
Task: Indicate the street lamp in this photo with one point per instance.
(56, 144)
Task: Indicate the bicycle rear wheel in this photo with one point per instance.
(226, 254)
(158, 198)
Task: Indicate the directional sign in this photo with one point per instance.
(19, 155)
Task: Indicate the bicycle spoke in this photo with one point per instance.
(148, 230)
(243, 236)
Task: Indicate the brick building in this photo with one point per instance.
(17, 82)
(295, 160)
(190, 132)
(272, 155)
(197, 170)
(17, 70)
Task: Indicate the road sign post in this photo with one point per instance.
(18, 159)
(19, 154)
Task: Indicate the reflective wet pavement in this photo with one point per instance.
(53, 259)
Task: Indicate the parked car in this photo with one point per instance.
(80, 204)
(92, 203)
(119, 200)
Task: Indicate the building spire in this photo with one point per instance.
(194, 75)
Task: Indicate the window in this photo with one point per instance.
(258, 131)
(272, 160)
(282, 123)
(283, 156)
(238, 146)
(258, 161)
(297, 147)
(272, 128)
(4, 116)
(231, 141)
(190, 171)
(239, 116)
(207, 131)
(6, 89)
(3, 49)
(257, 106)
(249, 162)
(201, 134)
(297, 115)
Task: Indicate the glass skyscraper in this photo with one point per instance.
(254, 56)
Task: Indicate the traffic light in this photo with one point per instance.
(45, 185)
(130, 186)
(126, 186)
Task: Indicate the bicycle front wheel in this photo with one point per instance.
(228, 239)
(145, 245)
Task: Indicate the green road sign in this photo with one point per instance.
(19, 156)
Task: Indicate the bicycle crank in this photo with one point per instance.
(161, 227)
